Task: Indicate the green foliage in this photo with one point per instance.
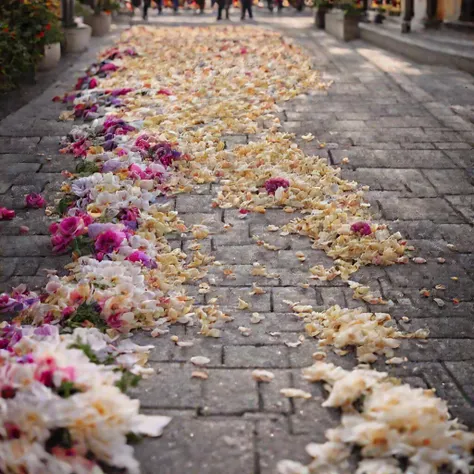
(26, 27)
(350, 8)
(90, 354)
(86, 168)
(327, 4)
(83, 245)
(127, 380)
(16, 62)
(66, 389)
(87, 314)
(64, 203)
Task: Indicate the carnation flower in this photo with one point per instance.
(71, 227)
(272, 184)
(143, 258)
(362, 228)
(109, 241)
(6, 214)
(35, 200)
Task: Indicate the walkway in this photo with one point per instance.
(389, 124)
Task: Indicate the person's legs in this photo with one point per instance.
(270, 5)
(243, 9)
(146, 6)
(160, 6)
(220, 5)
(249, 8)
(175, 5)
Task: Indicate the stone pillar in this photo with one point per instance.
(407, 16)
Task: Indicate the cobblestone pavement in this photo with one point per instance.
(397, 122)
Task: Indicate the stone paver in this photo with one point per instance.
(404, 139)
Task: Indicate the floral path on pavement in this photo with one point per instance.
(155, 113)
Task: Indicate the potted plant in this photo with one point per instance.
(343, 21)
(321, 8)
(52, 44)
(77, 35)
(30, 35)
(101, 20)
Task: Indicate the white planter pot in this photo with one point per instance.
(100, 24)
(77, 39)
(51, 57)
(342, 26)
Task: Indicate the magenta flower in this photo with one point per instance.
(35, 201)
(109, 241)
(60, 243)
(108, 67)
(272, 184)
(6, 214)
(71, 227)
(164, 92)
(143, 258)
(362, 228)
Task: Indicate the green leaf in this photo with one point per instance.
(64, 203)
(86, 313)
(127, 380)
(86, 168)
(66, 389)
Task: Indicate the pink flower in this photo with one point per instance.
(60, 243)
(109, 67)
(53, 228)
(23, 229)
(164, 92)
(362, 228)
(86, 218)
(35, 200)
(114, 321)
(272, 184)
(109, 241)
(93, 83)
(143, 258)
(71, 226)
(6, 214)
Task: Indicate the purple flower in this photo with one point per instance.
(164, 153)
(111, 165)
(272, 184)
(362, 228)
(109, 241)
(109, 145)
(143, 258)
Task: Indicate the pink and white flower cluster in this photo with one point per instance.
(59, 411)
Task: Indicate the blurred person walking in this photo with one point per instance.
(223, 5)
(246, 6)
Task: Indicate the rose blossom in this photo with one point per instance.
(109, 241)
(71, 226)
(272, 184)
(362, 228)
(35, 200)
(6, 214)
(60, 243)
